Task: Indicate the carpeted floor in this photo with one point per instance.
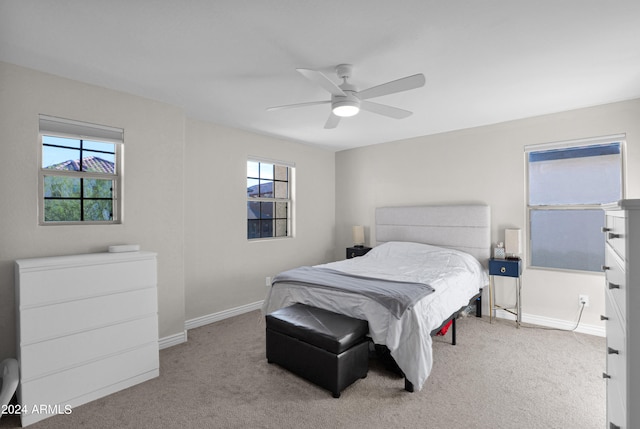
(495, 377)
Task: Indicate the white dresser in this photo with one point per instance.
(622, 300)
(87, 327)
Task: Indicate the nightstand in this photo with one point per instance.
(505, 268)
(352, 252)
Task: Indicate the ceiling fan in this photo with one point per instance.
(347, 101)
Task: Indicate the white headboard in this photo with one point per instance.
(465, 227)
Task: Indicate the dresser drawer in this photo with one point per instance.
(85, 314)
(70, 351)
(615, 233)
(616, 410)
(103, 276)
(616, 281)
(616, 351)
(504, 267)
(65, 387)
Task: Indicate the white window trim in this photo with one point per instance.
(566, 144)
(68, 128)
(290, 200)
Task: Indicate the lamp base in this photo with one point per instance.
(358, 246)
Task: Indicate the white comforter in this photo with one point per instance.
(456, 277)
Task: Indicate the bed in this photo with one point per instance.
(446, 247)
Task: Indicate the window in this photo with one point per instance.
(568, 182)
(268, 199)
(80, 172)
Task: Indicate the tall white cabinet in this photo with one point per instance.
(87, 327)
(622, 299)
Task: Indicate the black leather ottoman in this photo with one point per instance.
(328, 349)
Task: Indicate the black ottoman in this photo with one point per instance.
(328, 349)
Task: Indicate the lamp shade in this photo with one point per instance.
(513, 242)
(358, 235)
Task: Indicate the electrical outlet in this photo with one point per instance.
(267, 281)
(584, 299)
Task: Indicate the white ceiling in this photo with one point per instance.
(226, 61)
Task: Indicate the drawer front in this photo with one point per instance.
(48, 322)
(615, 282)
(616, 410)
(60, 354)
(64, 387)
(504, 268)
(616, 351)
(48, 286)
(615, 234)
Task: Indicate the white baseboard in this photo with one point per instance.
(173, 340)
(221, 315)
(180, 338)
(555, 323)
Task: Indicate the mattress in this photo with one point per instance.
(455, 276)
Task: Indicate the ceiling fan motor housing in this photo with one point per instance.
(344, 71)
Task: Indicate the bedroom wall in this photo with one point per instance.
(177, 171)
(487, 165)
(223, 269)
(153, 185)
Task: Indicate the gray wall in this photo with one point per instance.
(223, 269)
(485, 164)
(153, 183)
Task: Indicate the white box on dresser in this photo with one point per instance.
(622, 300)
(87, 327)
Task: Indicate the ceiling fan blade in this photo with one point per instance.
(383, 109)
(403, 84)
(332, 122)
(319, 78)
(291, 106)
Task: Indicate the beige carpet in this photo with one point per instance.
(496, 377)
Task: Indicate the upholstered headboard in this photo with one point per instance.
(465, 227)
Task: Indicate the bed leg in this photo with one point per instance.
(479, 306)
(408, 386)
(453, 331)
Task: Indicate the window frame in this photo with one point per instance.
(618, 138)
(290, 200)
(81, 131)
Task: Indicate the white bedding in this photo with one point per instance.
(456, 277)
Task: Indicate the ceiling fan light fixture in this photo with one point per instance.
(346, 108)
(347, 100)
